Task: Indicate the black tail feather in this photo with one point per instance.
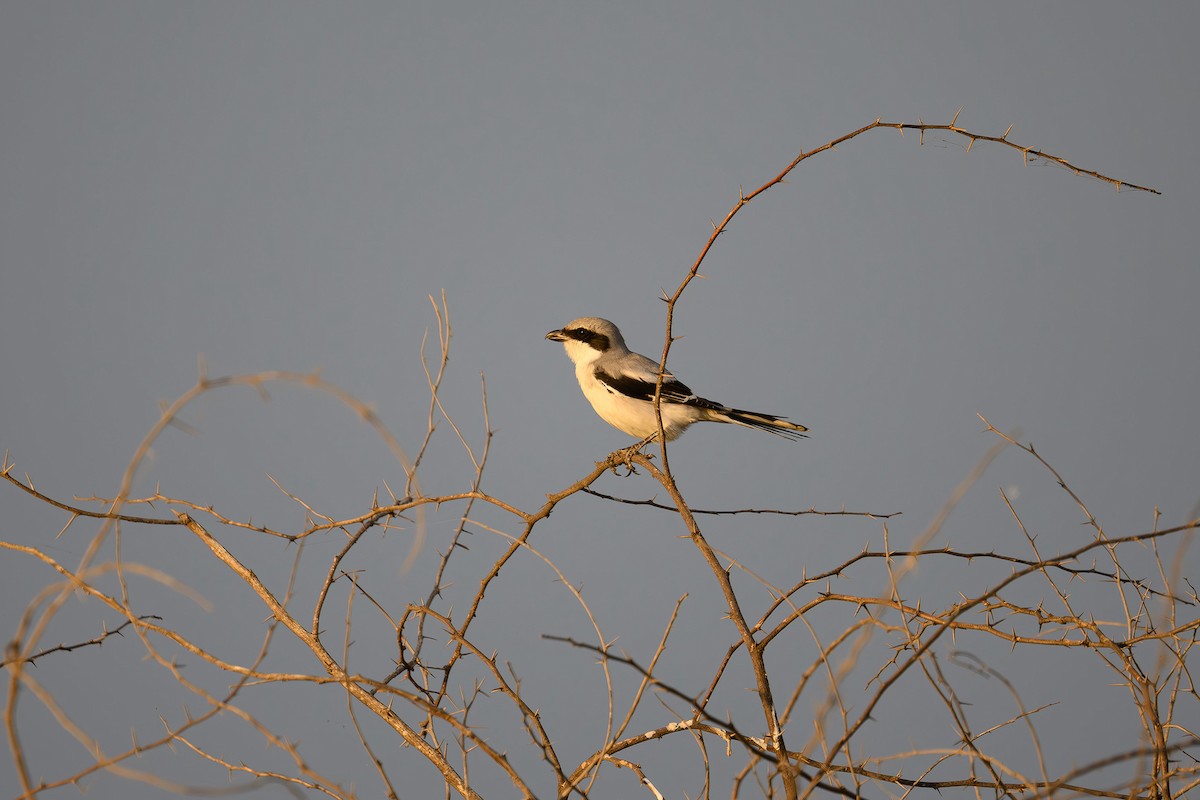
(767, 422)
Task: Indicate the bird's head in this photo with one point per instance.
(587, 338)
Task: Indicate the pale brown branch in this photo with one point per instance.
(330, 664)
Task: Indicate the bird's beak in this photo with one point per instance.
(556, 336)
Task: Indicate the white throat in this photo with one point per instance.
(581, 354)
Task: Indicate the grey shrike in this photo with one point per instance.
(620, 386)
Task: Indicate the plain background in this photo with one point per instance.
(283, 186)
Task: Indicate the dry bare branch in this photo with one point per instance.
(840, 640)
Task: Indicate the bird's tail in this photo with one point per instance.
(764, 422)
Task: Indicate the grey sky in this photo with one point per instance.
(282, 185)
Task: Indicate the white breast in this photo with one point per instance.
(635, 417)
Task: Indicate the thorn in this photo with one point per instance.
(1006, 133)
(956, 113)
(971, 144)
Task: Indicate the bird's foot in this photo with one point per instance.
(624, 456)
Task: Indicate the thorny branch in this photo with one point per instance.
(432, 647)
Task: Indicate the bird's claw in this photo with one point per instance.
(624, 456)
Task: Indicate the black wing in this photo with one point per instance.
(637, 387)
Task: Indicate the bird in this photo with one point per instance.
(620, 385)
